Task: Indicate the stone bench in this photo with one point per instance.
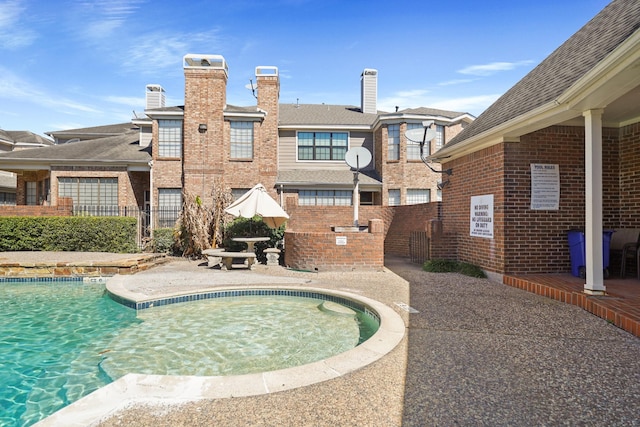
(213, 257)
(217, 256)
(273, 256)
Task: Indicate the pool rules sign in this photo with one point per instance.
(545, 186)
(482, 216)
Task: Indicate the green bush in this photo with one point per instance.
(73, 233)
(254, 227)
(163, 241)
(453, 266)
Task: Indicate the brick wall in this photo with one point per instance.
(525, 240)
(403, 174)
(322, 218)
(207, 156)
(421, 217)
(397, 221)
(476, 174)
(64, 208)
(324, 251)
(266, 138)
(405, 220)
(203, 153)
(30, 176)
(629, 196)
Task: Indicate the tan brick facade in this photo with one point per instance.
(323, 251)
(204, 153)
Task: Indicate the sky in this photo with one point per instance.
(67, 64)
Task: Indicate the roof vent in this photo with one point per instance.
(155, 97)
(369, 91)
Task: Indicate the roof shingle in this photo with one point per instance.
(560, 70)
(120, 148)
(324, 114)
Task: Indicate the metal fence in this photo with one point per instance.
(419, 247)
(148, 219)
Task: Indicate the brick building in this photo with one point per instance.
(297, 151)
(560, 150)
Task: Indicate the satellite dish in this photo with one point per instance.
(358, 157)
(252, 88)
(420, 135)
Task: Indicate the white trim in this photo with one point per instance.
(305, 126)
(258, 115)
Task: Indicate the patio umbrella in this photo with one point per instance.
(258, 202)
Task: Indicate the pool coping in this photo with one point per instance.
(164, 389)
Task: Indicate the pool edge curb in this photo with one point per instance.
(133, 389)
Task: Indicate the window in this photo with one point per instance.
(242, 140)
(324, 198)
(413, 148)
(238, 192)
(439, 139)
(415, 196)
(322, 145)
(169, 206)
(97, 196)
(366, 198)
(7, 198)
(31, 192)
(169, 138)
(393, 136)
(394, 197)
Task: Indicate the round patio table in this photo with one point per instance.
(250, 241)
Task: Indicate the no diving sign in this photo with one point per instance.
(481, 224)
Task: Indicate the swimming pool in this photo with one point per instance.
(44, 351)
(63, 340)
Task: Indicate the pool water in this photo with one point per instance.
(59, 341)
(48, 339)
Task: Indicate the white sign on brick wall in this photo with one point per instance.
(545, 186)
(481, 224)
(341, 240)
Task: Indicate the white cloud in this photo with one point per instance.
(455, 82)
(471, 104)
(126, 100)
(14, 34)
(421, 98)
(102, 19)
(492, 68)
(162, 50)
(13, 87)
(404, 99)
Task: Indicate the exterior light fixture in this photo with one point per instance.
(202, 128)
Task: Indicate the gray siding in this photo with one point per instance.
(288, 152)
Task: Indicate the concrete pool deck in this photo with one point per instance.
(474, 352)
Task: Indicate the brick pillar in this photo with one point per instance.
(205, 98)
(376, 226)
(266, 140)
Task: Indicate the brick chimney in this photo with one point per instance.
(369, 91)
(266, 145)
(205, 97)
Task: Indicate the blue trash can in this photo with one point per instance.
(577, 252)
